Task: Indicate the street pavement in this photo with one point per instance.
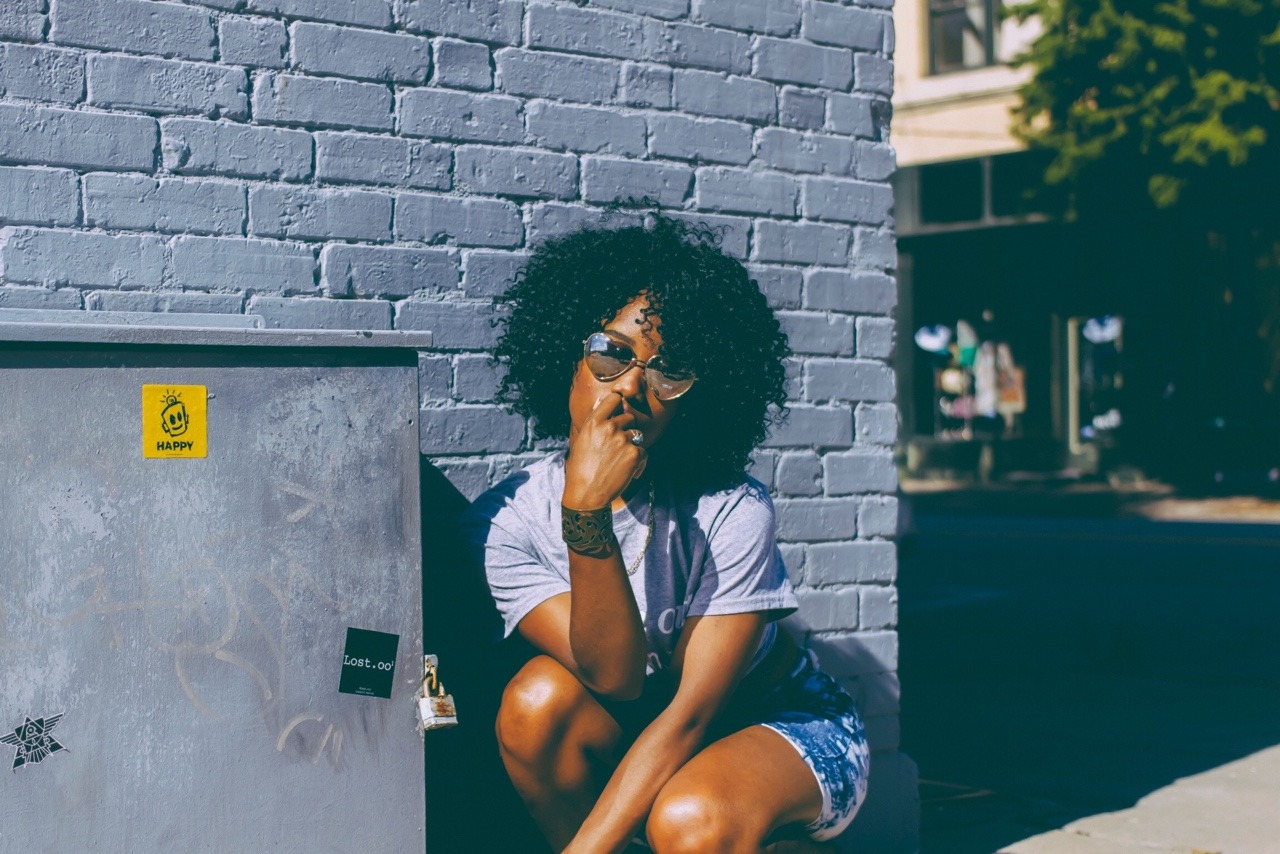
(1086, 676)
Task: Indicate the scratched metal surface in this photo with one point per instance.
(186, 617)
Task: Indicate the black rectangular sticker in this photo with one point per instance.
(368, 663)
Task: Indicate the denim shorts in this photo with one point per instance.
(811, 712)
(814, 715)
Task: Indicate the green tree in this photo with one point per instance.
(1160, 123)
(1169, 101)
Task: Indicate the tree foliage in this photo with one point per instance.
(1172, 100)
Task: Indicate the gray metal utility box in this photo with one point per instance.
(210, 587)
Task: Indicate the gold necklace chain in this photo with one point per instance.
(631, 570)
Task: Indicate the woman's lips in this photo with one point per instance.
(624, 406)
(641, 417)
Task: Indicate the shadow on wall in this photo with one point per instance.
(470, 803)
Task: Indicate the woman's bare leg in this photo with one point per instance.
(735, 796)
(559, 746)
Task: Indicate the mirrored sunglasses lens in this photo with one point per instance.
(605, 359)
(605, 366)
(666, 387)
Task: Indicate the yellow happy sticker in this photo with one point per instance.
(174, 421)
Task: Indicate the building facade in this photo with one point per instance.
(964, 231)
(1110, 344)
(369, 164)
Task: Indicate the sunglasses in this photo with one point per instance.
(607, 360)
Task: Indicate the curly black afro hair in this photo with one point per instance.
(715, 322)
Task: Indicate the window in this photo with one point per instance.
(951, 192)
(962, 34)
(980, 192)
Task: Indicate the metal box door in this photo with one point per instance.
(173, 631)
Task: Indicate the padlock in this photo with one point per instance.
(435, 707)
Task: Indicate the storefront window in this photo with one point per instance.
(1095, 380)
(978, 389)
(962, 34)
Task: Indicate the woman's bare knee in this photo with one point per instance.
(694, 820)
(558, 744)
(537, 708)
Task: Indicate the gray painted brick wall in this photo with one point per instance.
(175, 205)
(253, 42)
(147, 85)
(387, 164)
(43, 73)
(135, 26)
(800, 108)
(35, 196)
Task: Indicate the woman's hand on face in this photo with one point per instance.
(602, 459)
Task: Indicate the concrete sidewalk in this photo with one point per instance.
(1233, 809)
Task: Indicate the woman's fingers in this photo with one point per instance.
(613, 409)
(605, 456)
(623, 422)
(607, 406)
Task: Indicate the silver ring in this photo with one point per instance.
(637, 438)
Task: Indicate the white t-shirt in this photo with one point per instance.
(710, 555)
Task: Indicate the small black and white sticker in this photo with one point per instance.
(368, 663)
(33, 741)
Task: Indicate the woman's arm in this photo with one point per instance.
(710, 658)
(617, 675)
(596, 630)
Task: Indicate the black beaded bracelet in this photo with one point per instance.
(588, 532)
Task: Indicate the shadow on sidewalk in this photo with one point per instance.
(1058, 667)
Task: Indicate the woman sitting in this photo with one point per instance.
(666, 707)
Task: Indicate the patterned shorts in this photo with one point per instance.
(810, 710)
(814, 715)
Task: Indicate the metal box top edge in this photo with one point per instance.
(188, 336)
